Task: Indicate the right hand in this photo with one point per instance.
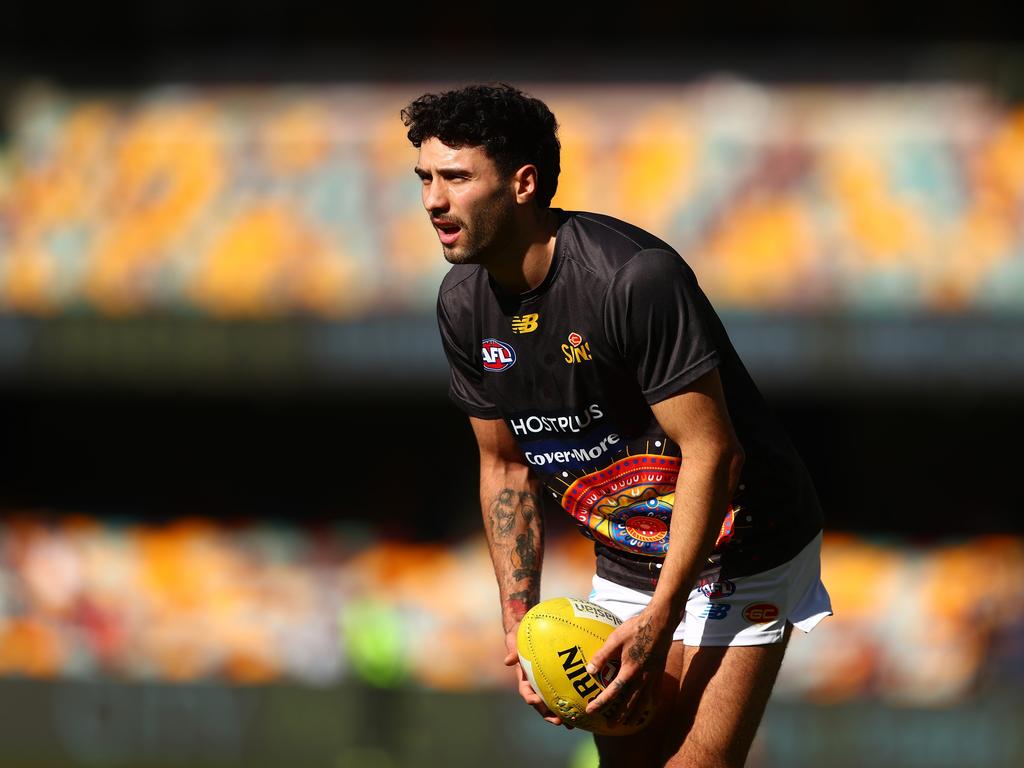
(530, 696)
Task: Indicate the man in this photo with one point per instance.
(596, 375)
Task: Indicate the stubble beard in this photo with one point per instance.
(477, 242)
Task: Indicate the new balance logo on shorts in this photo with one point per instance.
(715, 611)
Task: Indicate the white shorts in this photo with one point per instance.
(749, 610)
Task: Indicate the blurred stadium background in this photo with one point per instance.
(238, 516)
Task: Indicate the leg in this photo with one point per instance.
(722, 698)
(645, 749)
(710, 718)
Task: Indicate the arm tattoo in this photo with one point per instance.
(640, 650)
(503, 513)
(514, 512)
(526, 557)
(528, 506)
(504, 507)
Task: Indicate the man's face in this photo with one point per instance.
(470, 205)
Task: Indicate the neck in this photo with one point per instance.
(526, 263)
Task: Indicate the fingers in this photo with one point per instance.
(547, 714)
(512, 647)
(555, 720)
(526, 691)
(534, 700)
(632, 709)
(611, 649)
(551, 717)
(621, 701)
(616, 690)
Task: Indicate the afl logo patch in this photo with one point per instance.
(761, 613)
(497, 355)
(715, 590)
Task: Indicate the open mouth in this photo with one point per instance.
(448, 234)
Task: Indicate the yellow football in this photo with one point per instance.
(556, 638)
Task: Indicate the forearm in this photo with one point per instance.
(510, 501)
(704, 488)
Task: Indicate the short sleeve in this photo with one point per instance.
(465, 386)
(661, 323)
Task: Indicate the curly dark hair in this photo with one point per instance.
(513, 129)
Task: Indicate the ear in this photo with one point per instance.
(524, 183)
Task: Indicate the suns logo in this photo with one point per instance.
(577, 350)
(525, 323)
(497, 356)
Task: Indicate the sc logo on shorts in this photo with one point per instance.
(761, 613)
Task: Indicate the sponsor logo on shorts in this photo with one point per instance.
(577, 350)
(761, 613)
(716, 590)
(525, 323)
(587, 610)
(497, 356)
(715, 611)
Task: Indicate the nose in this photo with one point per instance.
(435, 197)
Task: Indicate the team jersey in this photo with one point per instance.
(573, 366)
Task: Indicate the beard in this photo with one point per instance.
(483, 236)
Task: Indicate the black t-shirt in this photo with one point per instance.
(573, 366)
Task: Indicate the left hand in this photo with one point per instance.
(525, 689)
(642, 643)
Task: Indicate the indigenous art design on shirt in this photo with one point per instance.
(573, 367)
(628, 505)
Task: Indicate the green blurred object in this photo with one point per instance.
(585, 755)
(365, 757)
(373, 634)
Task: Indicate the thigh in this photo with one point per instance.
(647, 748)
(723, 691)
